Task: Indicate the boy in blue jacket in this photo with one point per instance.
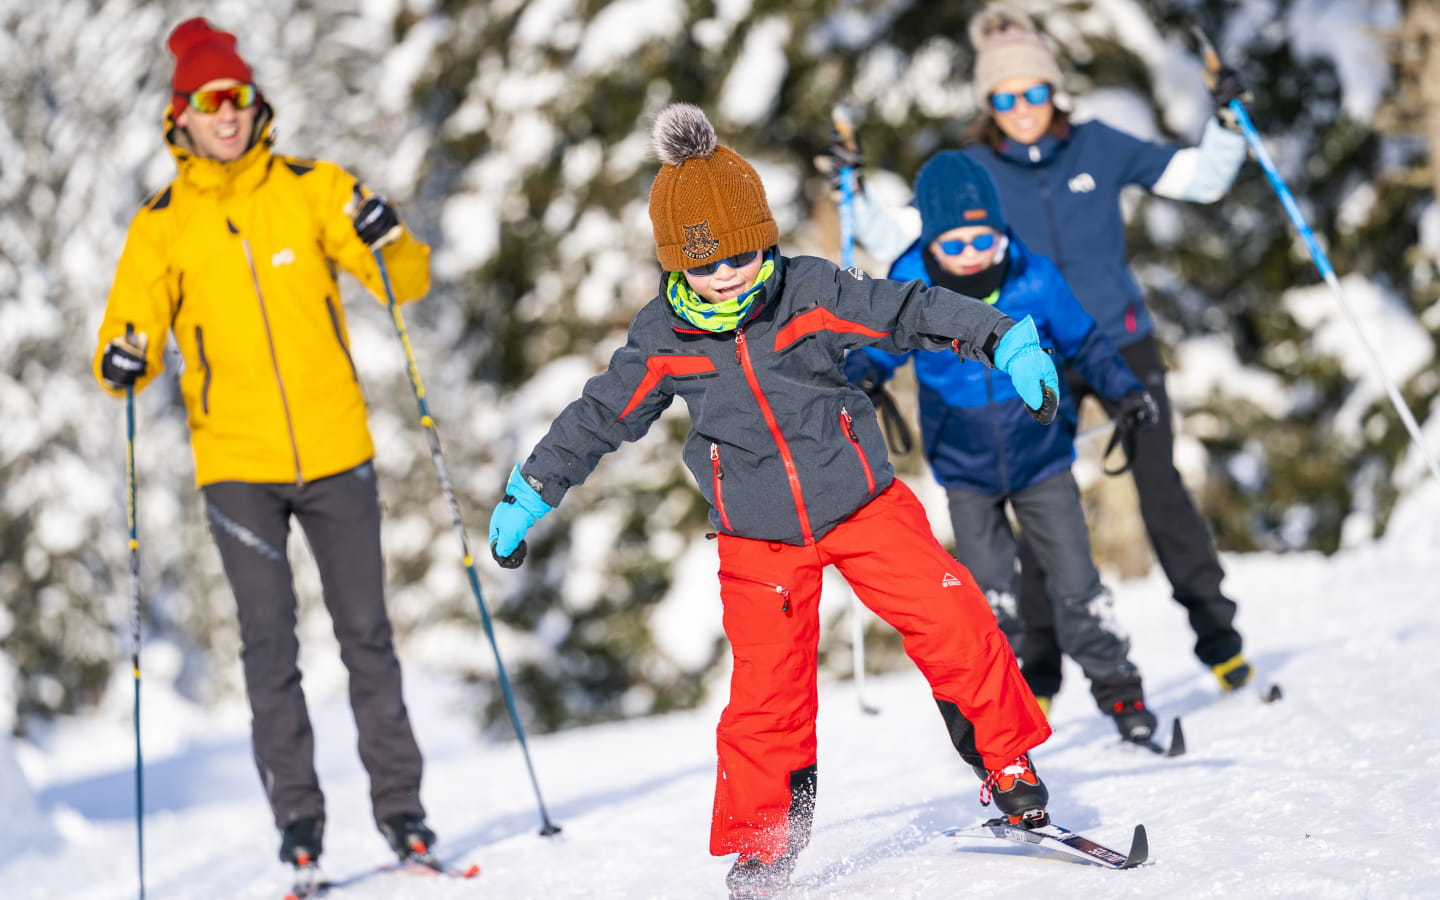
(987, 450)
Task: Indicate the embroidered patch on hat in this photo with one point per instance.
(699, 242)
(973, 214)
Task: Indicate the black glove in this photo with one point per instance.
(376, 222)
(1138, 410)
(1226, 85)
(123, 362)
(841, 154)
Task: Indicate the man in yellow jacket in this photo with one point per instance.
(237, 258)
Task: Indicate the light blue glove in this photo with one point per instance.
(513, 516)
(1019, 355)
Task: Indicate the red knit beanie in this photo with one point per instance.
(203, 54)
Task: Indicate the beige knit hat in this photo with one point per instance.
(1007, 45)
(707, 202)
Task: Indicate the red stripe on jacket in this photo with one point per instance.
(657, 367)
(820, 319)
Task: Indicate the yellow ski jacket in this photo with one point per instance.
(239, 261)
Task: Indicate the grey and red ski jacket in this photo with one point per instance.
(781, 445)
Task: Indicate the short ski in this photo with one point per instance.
(308, 883)
(1053, 837)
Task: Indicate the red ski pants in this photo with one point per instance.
(765, 783)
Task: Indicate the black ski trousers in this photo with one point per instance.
(1181, 540)
(340, 516)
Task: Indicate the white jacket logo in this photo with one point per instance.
(951, 581)
(283, 258)
(1082, 183)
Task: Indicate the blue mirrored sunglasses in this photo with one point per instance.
(981, 243)
(738, 261)
(1035, 96)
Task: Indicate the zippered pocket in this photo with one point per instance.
(204, 367)
(717, 476)
(340, 337)
(779, 589)
(848, 425)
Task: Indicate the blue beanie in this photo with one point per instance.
(954, 191)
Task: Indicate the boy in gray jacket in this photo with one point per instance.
(792, 461)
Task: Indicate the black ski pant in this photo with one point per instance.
(1050, 515)
(340, 516)
(1181, 540)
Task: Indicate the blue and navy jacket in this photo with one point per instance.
(1063, 197)
(977, 432)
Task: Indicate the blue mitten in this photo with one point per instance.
(513, 516)
(1019, 355)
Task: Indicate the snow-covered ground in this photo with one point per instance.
(1329, 793)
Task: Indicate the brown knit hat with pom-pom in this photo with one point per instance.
(707, 202)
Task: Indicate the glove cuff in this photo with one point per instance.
(1013, 340)
(525, 495)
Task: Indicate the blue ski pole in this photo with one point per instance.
(547, 827)
(1322, 262)
(134, 615)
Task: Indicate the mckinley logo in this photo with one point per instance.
(951, 581)
(1082, 183)
(283, 258)
(699, 242)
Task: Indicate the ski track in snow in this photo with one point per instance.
(1327, 793)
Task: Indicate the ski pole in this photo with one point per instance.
(1322, 262)
(432, 437)
(134, 614)
(840, 118)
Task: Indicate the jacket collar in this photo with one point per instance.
(206, 174)
(1040, 153)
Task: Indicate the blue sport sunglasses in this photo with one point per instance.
(981, 243)
(1035, 96)
(738, 261)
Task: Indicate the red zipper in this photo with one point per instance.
(848, 424)
(719, 476)
(743, 354)
(780, 589)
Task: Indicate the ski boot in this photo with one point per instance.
(409, 837)
(300, 841)
(1137, 724)
(751, 878)
(1234, 673)
(1017, 791)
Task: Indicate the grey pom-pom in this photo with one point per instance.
(682, 132)
(998, 17)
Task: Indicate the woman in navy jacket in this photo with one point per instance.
(986, 448)
(1060, 184)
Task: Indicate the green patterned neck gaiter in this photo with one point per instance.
(716, 317)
